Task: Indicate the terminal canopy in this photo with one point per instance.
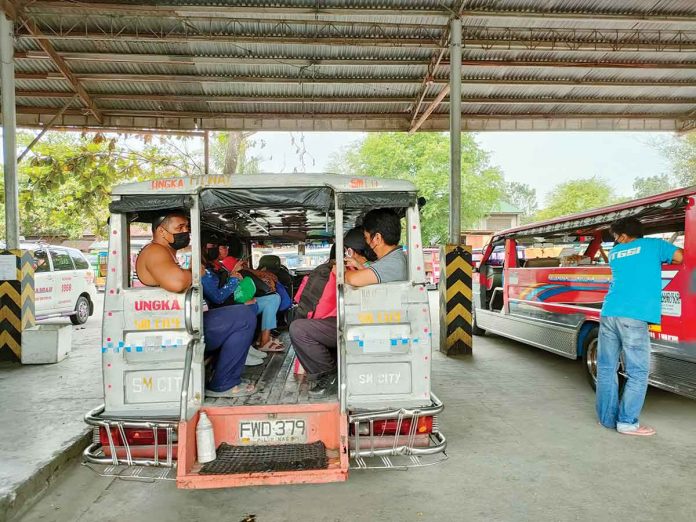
(363, 65)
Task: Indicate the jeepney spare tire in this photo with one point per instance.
(474, 327)
(589, 355)
(82, 311)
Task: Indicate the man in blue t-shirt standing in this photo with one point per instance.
(634, 300)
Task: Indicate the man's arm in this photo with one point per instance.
(162, 268)
(364, 277)
(678, 256)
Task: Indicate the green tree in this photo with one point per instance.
(423, 159)
(231, 153)
(65, 181)
(523, 197)
(650, 185)
(576, 196)
(682, 154)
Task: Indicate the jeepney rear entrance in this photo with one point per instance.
(384, 414)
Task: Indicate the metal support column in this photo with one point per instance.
(9, 130)
(455, 97)
(455, 259)
(206, 153)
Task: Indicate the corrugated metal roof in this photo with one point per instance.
(358, 64)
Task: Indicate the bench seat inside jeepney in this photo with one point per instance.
(276, 382)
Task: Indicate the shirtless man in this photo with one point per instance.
(156, 264)
(228, 330)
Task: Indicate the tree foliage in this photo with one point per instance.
(423, 159)
(650, 185)
(231, 153)
(65, 181)
(523, 197)
(576, 196)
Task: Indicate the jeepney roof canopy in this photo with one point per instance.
(659, 213)
(193, 184)
(265, 205)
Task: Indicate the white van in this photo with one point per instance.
(63, 283)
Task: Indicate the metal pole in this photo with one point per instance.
(9, 130)
(206, 153)
(455, 224)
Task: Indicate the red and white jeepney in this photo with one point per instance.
(384, 414)
(552, 298)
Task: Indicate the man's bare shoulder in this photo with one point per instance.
(155, 252)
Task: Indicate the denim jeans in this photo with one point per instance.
(628, 336)
(268, 308)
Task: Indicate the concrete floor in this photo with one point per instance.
(523, 445)
(41, 424)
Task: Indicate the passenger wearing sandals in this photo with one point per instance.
(372, 256)
(268, 304)
(228, 330)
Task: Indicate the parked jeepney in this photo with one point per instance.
(384, 414)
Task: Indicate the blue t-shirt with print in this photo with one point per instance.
(636, 286)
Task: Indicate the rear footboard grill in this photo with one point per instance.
(261, 459)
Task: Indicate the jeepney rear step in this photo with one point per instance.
(256, 446)
(272, 458)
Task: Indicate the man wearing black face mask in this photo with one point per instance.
(156, 264)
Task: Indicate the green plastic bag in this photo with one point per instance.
(245, 291)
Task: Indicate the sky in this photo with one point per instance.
(540, 159)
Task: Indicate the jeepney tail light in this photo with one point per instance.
(134, 437)
(389, 426)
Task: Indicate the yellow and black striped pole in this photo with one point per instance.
(16, 301)
(455, 299)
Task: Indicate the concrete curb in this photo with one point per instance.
(28, 493)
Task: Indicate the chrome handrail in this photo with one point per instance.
(188, 311)
(434, 409)
(91, 453)
(439, 447)
(183, 406)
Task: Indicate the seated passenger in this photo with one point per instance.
(382, 231)
(268, 304)
(228, 330)
(315, 338)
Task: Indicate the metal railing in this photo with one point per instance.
(94, 453)
(401, 445)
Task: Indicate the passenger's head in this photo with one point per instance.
(382, 229)
(210, 248)
(231, 246)
(356, 246)
(626, 229)
(172, 229)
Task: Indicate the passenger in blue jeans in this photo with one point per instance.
(634, 300)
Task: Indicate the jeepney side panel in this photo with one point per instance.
(388, 340)
(144, 340)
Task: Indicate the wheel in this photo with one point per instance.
(589, 355)
(81, 311)
(474, 327)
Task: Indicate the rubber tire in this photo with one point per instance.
(589, 359)
(82, 305)
(474, 327)
(589, 355)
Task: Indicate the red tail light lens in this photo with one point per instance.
(388, 427)
(134, 437)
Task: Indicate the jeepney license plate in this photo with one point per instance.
(276, 431)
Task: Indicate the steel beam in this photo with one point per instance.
(440, 98)
(63, 68)
(46, 127)
(9, 133)
(455, 115)
(138, 122)
(279, 9)
(466, 80)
